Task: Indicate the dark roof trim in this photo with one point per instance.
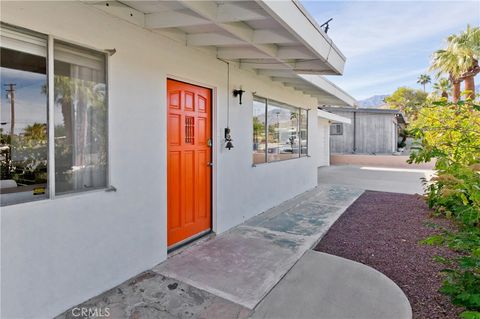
(399, 115)
(358, 110)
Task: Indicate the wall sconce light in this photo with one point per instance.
(228, 139)
(238, 93)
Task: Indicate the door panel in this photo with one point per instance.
(174, 192)
(188, 170)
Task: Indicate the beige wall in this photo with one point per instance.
(323, 138)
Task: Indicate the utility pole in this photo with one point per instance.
(11, 94)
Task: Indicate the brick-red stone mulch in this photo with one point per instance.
(382, 230)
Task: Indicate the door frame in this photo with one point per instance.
(214, 149)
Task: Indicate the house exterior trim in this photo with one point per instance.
(333, 117)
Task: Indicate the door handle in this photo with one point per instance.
(210, 164)
(209, 142)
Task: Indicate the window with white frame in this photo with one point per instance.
(79, 122)
(303, 136)
(280, 131)
(259, 131)
(336, 129)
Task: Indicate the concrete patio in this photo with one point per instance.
(243, 264)
(229, 275)
(326, 286)
(385, 179)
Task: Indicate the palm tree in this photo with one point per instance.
(467, 46)
(460, 61)
(424, 79)
(36, 132)
(443, 86)
(258, 129)
(446, 62)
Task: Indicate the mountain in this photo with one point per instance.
(376, 101)
(372, 102)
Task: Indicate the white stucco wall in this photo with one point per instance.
(323, 139)
(58, 253)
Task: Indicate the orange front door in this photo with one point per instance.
(188, 162)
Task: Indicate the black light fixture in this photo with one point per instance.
(238, 93)
(228, 139)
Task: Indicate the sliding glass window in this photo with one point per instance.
(280, 131)
(80, 119)
(79, 122)
(23, 130)
(259, 130)
(303, 136)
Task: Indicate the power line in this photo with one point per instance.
(11, 94)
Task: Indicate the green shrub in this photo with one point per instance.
(462, 275)
(456, 193)
(450, 133)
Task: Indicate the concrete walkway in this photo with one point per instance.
(153, 296)
(395, 180)
(243, 264)
(227, 276)
(326, 286)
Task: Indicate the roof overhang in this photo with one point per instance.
(326, 92)
(333, 117)
(394, 112)
(278, 39)
(258, 34)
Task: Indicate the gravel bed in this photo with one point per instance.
(382, 230)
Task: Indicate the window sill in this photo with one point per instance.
(279, 161)
(109, 189)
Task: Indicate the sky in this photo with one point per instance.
(30, 102)
(388, 44)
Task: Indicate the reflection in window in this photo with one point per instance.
(23, 114)
(280, 131)
(259, 133)
(283, 142)
(79, 122)
(80, 119)
(303, 132)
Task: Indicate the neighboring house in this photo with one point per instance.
(124, 108)
(372, 131)
(324, 127)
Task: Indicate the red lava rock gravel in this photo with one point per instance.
(382, 230)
